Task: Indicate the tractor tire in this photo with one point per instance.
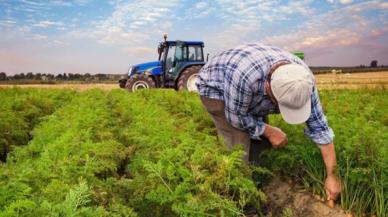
(188, 78)
(122, 83)
(138, 82)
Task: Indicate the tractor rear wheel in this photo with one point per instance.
(138, 82)
(188, 78)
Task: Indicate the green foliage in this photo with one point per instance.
(103, 153)
(359, 120)
(156, 153)
(77, 141)
(178, 166)
(22, 109)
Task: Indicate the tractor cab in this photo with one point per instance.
(177, 67)
(177, 55)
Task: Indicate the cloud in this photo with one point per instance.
(7, 22)
(201, 5)
(344, 2)
(384, 5)
(47, 24)
(335, 38)
(134, 15)
(334, 32)
(134, 26)
(245, 20)
(32, 3)
(39, 37)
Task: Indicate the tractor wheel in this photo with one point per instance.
(138, 82)
(188, 78)
(122, 83)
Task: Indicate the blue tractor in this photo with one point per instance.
(178, 66)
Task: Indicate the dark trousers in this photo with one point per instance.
(232, 135)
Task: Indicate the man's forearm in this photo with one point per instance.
(329, 158)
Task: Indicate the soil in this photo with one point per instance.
(287, 199)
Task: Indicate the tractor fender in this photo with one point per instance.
(186, 66)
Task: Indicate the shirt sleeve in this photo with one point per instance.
(318, 129)
(237, 98)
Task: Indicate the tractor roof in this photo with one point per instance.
(186, 42)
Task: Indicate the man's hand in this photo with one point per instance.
(276, 136)
(332, 187)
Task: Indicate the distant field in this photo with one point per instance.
(325, 81)
(353, 81)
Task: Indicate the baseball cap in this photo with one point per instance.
(292, 86)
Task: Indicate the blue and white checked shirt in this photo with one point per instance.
(237, 77)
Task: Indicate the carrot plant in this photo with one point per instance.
(360, 121)
(70, 166)
(115, 154)
(156, 153)
(21, 110)
(178, 167)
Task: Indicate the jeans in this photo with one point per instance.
(232, 135)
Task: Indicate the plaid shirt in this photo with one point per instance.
(237, 77)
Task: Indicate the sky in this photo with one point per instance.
(96, 36)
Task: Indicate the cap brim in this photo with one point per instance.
(296, 116)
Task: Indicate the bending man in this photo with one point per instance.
(240, 86)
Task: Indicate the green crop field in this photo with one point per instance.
(156, 153)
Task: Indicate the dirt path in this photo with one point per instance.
(324, 81)
(287, 199)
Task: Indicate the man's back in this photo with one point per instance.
(247, 63)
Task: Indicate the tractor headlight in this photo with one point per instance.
(129, 71)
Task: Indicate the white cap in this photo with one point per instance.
(292, 86)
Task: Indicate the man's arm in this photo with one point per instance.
(329, 158)
(332, 184)
(320, 132)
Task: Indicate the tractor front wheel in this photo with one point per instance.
(188, 78)
(137, 82)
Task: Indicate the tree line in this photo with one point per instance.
(58, 77)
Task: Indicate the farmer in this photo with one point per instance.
(240, 86)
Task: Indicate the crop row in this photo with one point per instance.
(114, 154)
(21, 110)
(156, 153)
(360, 121)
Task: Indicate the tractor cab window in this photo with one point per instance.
(180, 53)
(195, 53)
(170, 57)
